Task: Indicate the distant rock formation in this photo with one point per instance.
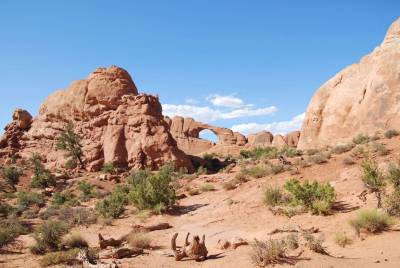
(115, 122)
(186, 132)
(267, 139)
(362, 98)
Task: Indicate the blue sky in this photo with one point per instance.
(225, 62)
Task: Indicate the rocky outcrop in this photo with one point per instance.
(21, 122)
(186, 132)
(260, 139)
(279, 141)
(292, 138)
(116, 124)
(362, 98)
(267, 139)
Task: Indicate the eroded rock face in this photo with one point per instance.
(21, 123)
(115, 122)
(186, 132)
(362, 98)
(260, 139)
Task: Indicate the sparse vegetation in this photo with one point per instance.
(11, 175)
(70, 142)
(60, 257)
(270, 252)
(10, 229)
(78, 215)
(48, 236)
(342, 240)
(27, 199)
(391, 133)
(348, 161)
(320, 157)
(315, 243)
(87, 190)
(113, 205)
(361, 139)
(139, 240)
(340, 149)
(207, 187)
(229, 185)
(372, 221)
(193, 191)
(42, 178)
(292, 241)
(359, 152)
(108, 168)
(273, 196)
(319, 198)
(255, 172)
(269, 152)
(75, 240)
(241, 177)
(373, 179)
(380, 149)
(66, 198)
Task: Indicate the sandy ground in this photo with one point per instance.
(222, 214)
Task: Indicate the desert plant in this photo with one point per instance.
(48, 236)
(42, 177)
(317, 197)
(277, 168)
(342, 148)
(64, 198)
(112, 206)
(315, 243)
(207, 187)
(380, 149)
(193, 191)
(273, 196)
(260, 152)
(77, 215)
(229, 185)
(361, 139)
(342, 239)
(391, 133)
(348, 161)
(5, 209)
(75, 240)
(256, 171)
(139, 240)
(10, 229)
(320, 158)
(292, 241)
(27, 199)
(11, 175)
(394, 175)
(359, 152)
(392, 205)
(86, 189)
(241, 177)
(373, 179)
(60, 257)
(268, 252)
(154, 190)
(108, 168)
(371, 221)
(70, 142)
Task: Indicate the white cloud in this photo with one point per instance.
(207, 114)
(225, 101)
(282, 127)
(191, 101)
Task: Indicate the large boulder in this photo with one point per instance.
(21, 122)
(362, 98)
(260, 139)
(115, 123)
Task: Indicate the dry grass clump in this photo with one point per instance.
(229, 185)
(207, 187)
(348, 161)
(256, 171)
(139, 240)
(60, 257)
(48, 236)
(315, 243)
(359, 152)
(391, 133)
(342, 240)
(372, 221)
(340, 149)
(292, 241)
(380, 149)
(273, 196)
(320, 158)
(77, 215)
(270, 252)
(241, 177)
(75, 240)
(193, 191)
(361, 139)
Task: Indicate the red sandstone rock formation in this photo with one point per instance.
(362, 98)
(116, 124)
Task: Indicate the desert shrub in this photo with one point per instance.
(260, 152)
(153, 190)
(340, 149)
(86, 189)
(380, 149)
(292, 241)
(288, 210)
(202, 170)
(137, 176)
(49, 213)
(108, 168)
(65, 198)
(27, 199)
(359, 152)
(394, 175)
(42, 177)
(241, 177)
(70, 142)
(139, 240)
(5, 209)
(342, 240)
(10, 229)
(277, 168)
(48, 236)
(207, 187)
(320, 158)
(75, 240)
(302, 162)
(348, 161)
(268, 252)
(193, 191)
(273, 196)
(310, 152)
(391, 133)
(229, 185)
(371, 221)
(373, 178)
(319, 198)
(60, 257)
(77, 215)
(290, 151)
(256, 171)
(361, 139)
(315, 243)
(392, 205)
(11, 175)
(112, 206)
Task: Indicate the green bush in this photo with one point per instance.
(290, 152)
(394, 175)
(27, 199)
(48, 236)
(373, 178)
(340, 149)
(273, 196)
(42, 178)
(60, 257)
(260, 152)
(319, 198)
(108, 168)
(70, 142)
(156, 189)
(256, 171)
(113, 205)
(207, 187)
(5, 209)
(11, 175)
(391, 133)
(372, 221)
(393, 203)
(86, 189)
(138, 176)
(361, 139)
(9, 230)
(342, 240)
(65, 198)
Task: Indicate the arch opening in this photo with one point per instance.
(207, 134)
